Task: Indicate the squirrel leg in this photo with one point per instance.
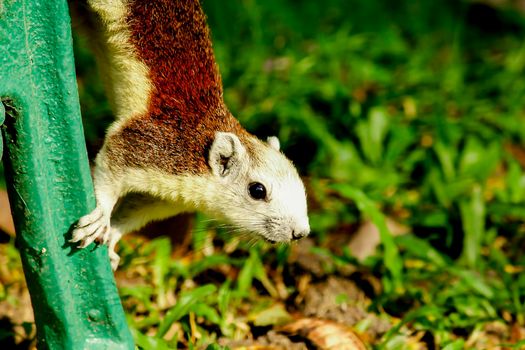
(131, 213)
(96, 225)
(113, 238)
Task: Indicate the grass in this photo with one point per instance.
(413, 113)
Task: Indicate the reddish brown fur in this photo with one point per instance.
(186, 107)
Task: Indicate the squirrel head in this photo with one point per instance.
(258, 188)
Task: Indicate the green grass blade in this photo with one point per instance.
(183, 306)
(392, 260)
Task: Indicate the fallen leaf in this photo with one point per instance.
(517, 333)
(324, 334)
(366, 239)
(259, 347)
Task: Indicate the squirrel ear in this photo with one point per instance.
(226, 154)
(274, 143)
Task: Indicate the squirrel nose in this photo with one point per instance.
(299, 234)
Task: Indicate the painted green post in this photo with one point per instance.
(73, 291)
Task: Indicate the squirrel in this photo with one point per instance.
(174, 146)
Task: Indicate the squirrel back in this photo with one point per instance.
(164, 83)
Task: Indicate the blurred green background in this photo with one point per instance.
(411, 111)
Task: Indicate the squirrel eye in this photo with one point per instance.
(257, 191)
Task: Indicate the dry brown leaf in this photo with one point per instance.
(269, 341)
(259, 347)
(517, 333)
(494, 335)
(366, 239)
(325, 334)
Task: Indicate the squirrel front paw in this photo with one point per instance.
(96, 227)
(92, 227)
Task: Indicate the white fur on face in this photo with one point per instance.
(282, 216)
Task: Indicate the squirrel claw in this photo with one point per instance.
(89, 228)
(95, 227)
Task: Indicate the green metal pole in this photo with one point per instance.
(73, 292)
